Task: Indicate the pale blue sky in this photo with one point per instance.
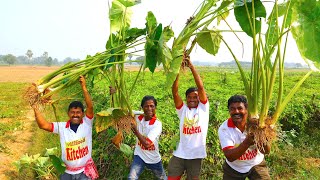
(76, 28)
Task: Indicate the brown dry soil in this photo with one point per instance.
(16, 143)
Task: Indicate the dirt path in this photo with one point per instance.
(16, 144)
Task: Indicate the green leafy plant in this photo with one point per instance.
(42, 165)
(268, 54)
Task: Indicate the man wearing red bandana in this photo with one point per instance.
(147, 129)
(194, 119)
(75, 137)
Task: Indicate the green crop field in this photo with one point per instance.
(295, 155)
(299, 118)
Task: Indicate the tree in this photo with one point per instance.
(22, 60)
(1, 59)
(29, 55)
(142, 58)
(45, 57)
(130, 57)
(55, 61)
(10, 59)
(48, 61)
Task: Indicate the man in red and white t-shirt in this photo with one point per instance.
(194, 119)
(147, 129)
(75, 137)
(244, 159)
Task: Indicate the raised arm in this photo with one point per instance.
(89, 104)
(41, 121)
(176, 98)
(198, 81)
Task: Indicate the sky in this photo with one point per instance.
(77, 28)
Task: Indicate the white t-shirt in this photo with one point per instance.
(151, 130)
(193, 131)
(230, 136)
(76, 148)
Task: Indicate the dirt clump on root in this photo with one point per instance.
(123, 124)
(35, 98)
(262, 135)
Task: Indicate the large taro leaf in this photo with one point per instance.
(175, 64)
(242, 18)
(167, 34)
(133, 33)
(58, 164)
(151, 52)
(152, 48)
(164, 50)
(306, 29)
(107, 118)
(151, 23)
(119, 15)
(209, 40)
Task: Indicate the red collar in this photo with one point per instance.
(151, 121)
(68, 123)
(230, 123)
(191, 108)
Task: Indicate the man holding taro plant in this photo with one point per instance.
(194, 119)
(147, 129)
(244, 158)
(75, 137)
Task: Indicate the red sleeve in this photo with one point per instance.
(228, 147)
(52, 127)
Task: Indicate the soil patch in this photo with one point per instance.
(24, 73)
(16, 142)
(14, 145)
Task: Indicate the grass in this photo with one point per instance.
(12, 107)
(12, 117)
(295, 157)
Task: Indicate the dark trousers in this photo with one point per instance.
(259, 171)
(80, 176)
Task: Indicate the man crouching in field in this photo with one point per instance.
(75, 137)
(243, 158)
(147, 129)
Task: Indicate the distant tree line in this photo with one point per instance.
(29, 59)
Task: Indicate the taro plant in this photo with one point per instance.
(268, 54)
(47, 166)
(194, 33)
(107, 67)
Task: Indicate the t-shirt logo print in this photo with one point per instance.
(151, 148)
(190, 126)
(76, 149)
